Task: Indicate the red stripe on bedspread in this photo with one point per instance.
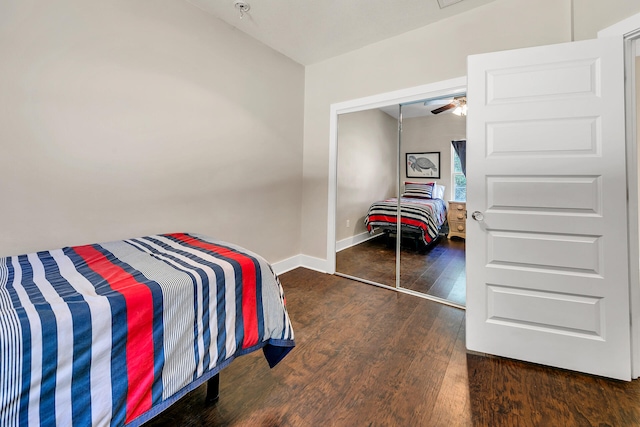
(139, 344)
(420, 224)
(381, 218)
(403, 220)
(249, 303)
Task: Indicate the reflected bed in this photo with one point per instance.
(422, 213)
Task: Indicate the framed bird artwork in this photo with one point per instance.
(423, 165)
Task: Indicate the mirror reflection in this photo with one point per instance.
(367, 171)
(376, 164)
(434, 193)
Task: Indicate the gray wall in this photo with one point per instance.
(122, 118)
(591, 16)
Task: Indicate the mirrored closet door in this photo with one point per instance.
(432, 258)
(403, 150)
(367, 171)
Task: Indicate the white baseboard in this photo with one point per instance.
(319, 264)
(353, 240)
(285, 265)
(306, 261)
(313, 263)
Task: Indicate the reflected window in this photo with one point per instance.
(458, 180)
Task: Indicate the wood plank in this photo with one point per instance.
(452, 406)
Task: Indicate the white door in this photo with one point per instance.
(547, 268)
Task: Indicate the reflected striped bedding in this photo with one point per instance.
(421, 215)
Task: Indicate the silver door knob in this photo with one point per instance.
(477, 215)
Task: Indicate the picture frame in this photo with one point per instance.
(423, 165)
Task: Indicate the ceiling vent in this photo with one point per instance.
(445, 3)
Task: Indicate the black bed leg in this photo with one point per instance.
(213, 389)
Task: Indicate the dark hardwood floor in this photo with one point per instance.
(438, 271)
(367, 356)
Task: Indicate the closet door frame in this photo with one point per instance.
(433, 90)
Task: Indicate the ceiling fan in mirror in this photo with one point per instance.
(458, 104)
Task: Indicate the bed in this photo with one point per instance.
(114, 333)
(422, 213)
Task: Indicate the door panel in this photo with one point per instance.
(546, 81)
(539, 310)
(547, 264)
(542, 251)
(544, 137)
(570, 194)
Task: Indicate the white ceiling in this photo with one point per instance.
(310, 31)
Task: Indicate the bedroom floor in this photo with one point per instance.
(367, 356)
(438, 271)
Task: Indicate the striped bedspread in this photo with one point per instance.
(424, 216)
(113, 333)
